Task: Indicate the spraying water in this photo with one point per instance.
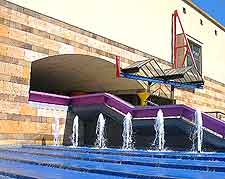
(198, 133)
(100, 128)
(56, 132)
(75, 136)
(159, 129)
(127, 132)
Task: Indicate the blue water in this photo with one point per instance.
(33, 161)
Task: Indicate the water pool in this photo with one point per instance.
(35, 161)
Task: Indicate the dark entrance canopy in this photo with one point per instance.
(149, 70)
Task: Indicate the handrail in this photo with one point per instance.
(218, 114)
(151, 103)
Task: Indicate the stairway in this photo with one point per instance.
(34, 161)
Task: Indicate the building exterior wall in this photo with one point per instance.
(148, 23)
(26, 36)
(211, 98)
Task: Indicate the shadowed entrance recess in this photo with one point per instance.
(68, 73)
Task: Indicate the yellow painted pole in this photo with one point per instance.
(143, 97)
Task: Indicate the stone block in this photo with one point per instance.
(52, 45)
(43, 128)
(3, 50)
(3, 116)
(35, 40)
(28, 127)
(31, 56)
(4, 31)
(18, 35)
(8, 126)
(19, 17)
(25, 109)
(4, 142)
(26, 72)
(9, 107)
(66, 49)
(14, 70)
(81, 51)
(81, 39)
(15, 52)
(5, 12)
(68, 34)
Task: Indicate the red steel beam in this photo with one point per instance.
(187, 45)
(175, 39)
(117, 66)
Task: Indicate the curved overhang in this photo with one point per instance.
(70, 73)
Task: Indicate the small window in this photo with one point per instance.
(201, 21)
(184, 10)
(216, 33)
(197, 53)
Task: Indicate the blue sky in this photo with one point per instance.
(215, 8)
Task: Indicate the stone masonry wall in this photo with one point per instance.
(26, 36)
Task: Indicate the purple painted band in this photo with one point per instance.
(137, 111)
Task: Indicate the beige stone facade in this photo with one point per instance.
(27, 36)
(144, 25)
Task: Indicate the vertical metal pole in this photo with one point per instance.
(186, 52)
(175, 38)
(117, 66)
(172, 60)
(172, 93)
(187, 43)
(149, 87)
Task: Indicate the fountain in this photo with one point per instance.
(75, 137)
(127, 132)
(100, 140)
(198, 132)
(56, 132)
(159, 129)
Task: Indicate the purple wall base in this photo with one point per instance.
(209, 122)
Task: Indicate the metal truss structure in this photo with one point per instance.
(150, 70)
